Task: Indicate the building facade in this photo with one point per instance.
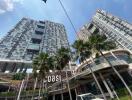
(113, 27)
(82, 80)
(26, 40)
(29, 37)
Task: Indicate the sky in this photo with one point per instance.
(80, 12)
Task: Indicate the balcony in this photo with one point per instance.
(40, 26)
(39, 31)
(106, 65)
(36, 38)
(33, 48)
(103, 65)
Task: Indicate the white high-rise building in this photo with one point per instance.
(113, 27)
(29, 37)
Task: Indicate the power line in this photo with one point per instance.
(68, 17)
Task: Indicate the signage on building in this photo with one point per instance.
(53, 78)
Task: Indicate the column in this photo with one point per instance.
(76, 92)
(62, 96)
(15, 70)
(106, 85)
(13, 67)
(21, 67)
(111, 85)
(53, 96)
(25, 69)
(4, 67)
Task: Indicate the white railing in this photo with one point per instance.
(17, 61)
(101, 66)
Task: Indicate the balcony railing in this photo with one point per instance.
(36, 36)
(101, 66)
(39, 31)
(33, 47)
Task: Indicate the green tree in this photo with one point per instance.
(40, 69)
(82, 53)
(62, 60)
(19, 76)
(100, 43)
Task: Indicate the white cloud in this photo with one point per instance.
(8, 5)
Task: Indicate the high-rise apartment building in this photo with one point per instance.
(30, 37)
(113, 27)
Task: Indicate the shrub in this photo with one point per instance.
(19, 76)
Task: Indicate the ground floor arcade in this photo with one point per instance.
(108, 80)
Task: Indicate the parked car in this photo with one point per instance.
(88, 96)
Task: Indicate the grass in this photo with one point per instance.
(124, 98)
(11, 93)
(123, 94)
(4, 94)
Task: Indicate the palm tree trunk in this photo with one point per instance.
(68, 85)
(96, 79)
(61, 87)
(39, 91)
(9, 87)
(19, 94)
(62, 90)
(8, 90)
(26, 83)
(44, 88)
(61, 84)
(117, 73)
(112, 87)
(76, 92)
(27, 79)
(106, 85)
(35, 84)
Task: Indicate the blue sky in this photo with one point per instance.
(80, 11)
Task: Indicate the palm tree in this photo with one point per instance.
(20, 90)
(35, 73)
(82, 53)
(63, 58)
(40, 63)
(100, 43)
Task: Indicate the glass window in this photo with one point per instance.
(38, 32)
(88, 97)
(42, 22)
(96, 31)
(91, 25)
(124, 57)
(39, 26)
(79, 98)
(111, 58)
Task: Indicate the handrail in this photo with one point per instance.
(95, 68)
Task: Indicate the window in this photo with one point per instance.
(38, 32)
(36, 41)
(79, 98)
(120, 39)
(96, 31)
(42, 22)
(39, 26)
(89, 97)
(91, 25)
